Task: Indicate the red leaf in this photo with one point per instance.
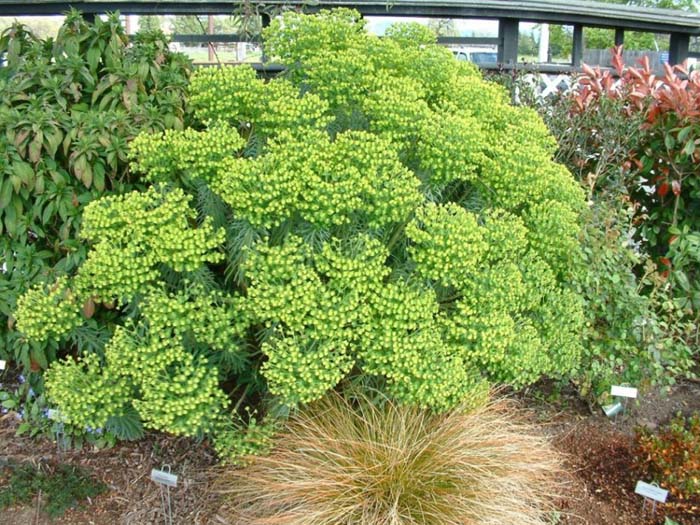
(665, 261)
(662, 190)
(588, 70)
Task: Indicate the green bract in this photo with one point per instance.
(388, 217)
(47, 313)
(134, 235)
(158, 368)
(450, 233)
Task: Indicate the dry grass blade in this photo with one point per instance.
(341, 463)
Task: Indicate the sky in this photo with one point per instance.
(378, 25)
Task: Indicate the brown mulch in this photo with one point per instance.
(131, 498)
(598, 457)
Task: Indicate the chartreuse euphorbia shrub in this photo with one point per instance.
(155, 371)
(380, 213)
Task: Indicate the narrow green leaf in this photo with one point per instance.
(5, 192)
(127, 426)
(689, 148)
(99, 176)
(35, 147)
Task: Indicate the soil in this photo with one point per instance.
(598, 457)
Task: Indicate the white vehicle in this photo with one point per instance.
(477, 55)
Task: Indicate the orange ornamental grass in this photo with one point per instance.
(353, 462)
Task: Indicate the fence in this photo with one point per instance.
(601, 57)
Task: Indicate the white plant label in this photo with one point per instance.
(623, 391)
(164, 478)
(651, 491)
(3, 364)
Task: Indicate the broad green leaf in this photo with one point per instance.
(35, 147)
(669, 141)
(53, 141)
(689, 147)
(682, 280)
(23, 428)
(93, 58)
(39, 185)
(38, 356)
(683, 133)
(24, 172)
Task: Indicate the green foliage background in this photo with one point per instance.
(68, 109)
(641, 323)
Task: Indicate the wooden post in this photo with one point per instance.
(508, 35)
(577, 48)
(210, 31)
(679, 48)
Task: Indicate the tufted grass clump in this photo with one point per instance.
(342, 462)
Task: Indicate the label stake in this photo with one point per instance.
(651, 493)
(165, 479)
(624, 392)
(60, 432)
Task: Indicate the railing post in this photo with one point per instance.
(265, 22)
(619, 36)
(577, 48)
(508, 35)
(679, 48)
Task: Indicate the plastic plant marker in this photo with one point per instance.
(165, 479)
(651, 492)
(624, 391)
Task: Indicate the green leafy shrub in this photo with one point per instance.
(671, 456)
(635, 332)
(69, 107)
(354, 461)
(61, 488)
(660, 168)
(425, 245)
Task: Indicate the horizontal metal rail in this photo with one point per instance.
(509, 13)
(571, 12)
(233, 38)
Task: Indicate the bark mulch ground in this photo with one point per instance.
(599, 459)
